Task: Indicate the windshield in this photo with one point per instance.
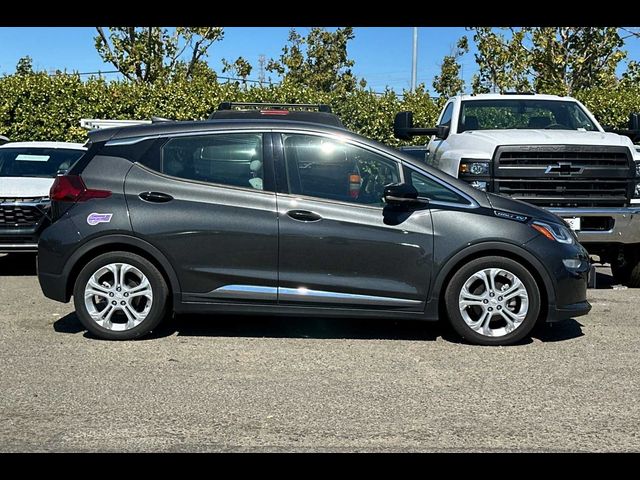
(36, 162)
(523, 114)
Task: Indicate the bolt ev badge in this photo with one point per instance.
(564, 168)
(96, 218)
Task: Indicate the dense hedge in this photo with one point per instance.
(42, 107)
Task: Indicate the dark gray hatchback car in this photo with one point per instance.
(275, 216)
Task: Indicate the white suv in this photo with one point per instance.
(27, 171)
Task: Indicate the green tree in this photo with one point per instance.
(449, 83)
(239, 68)
(561, 60)
(24, 66)
(148, 54)
(318, 61)
(569, 59)
(503, 64)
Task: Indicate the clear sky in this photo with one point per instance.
(382, 54)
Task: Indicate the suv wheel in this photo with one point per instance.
(493, 301)
(120, 296)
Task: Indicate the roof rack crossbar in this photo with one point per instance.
(321, 107)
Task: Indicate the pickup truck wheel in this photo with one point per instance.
(627, 274)
(492, 301)
(120, 296)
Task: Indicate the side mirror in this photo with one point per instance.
(402, 195)
(442, 131)
(403, 127)
(634, 122)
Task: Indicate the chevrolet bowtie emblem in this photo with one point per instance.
(564, 168)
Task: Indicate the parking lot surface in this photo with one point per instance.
(207, 383)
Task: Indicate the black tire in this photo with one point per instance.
(156, 313)
(628, 273)
(454, 289)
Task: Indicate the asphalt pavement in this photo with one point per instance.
(238, 384)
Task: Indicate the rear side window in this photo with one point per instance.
(327, 168)
(227, 159)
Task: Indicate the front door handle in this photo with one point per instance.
(155, 197)
(304, 215)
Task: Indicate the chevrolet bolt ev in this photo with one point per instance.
(283, 212)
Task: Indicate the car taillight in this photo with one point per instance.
(71, 188)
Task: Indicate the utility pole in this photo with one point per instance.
(414, 68)
(261, 62)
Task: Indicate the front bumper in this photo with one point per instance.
(20, 239)
(605, 225)
(558, 313)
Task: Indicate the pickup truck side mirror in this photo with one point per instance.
(402, 195)
(634, 122)
(403, 127)
(442, 131)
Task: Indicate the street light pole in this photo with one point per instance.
(414, 68)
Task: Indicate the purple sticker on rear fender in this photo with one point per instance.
(96, 218)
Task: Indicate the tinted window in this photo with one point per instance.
(433, 190)
(326, 168)
(36, 162)
(523, 114)
(228, 159)
(446, 116)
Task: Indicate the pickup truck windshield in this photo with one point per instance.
(36, 162)
(523, 114)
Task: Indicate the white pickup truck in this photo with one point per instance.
(549, 151)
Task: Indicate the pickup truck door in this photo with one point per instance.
(437, 145)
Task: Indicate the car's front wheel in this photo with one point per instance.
(493, 301)
(120, 296)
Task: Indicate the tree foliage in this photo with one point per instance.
(448, 83)
(560, 60)
(149, 54)
(318, 61)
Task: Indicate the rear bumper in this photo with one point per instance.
(54, 286)
(623, 224)
(558, 313)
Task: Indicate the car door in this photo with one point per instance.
(339, 245)
(207, 202)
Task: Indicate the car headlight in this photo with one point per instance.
(473, 167)
(554, 231)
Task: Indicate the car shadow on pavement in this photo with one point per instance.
(17, 264)
(242, 326)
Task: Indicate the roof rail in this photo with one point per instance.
(320, 107)
(518, 93)
(96, 124)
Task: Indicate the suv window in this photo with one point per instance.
(229, 159)
(433, 190)
(326, 168)
(446, 116)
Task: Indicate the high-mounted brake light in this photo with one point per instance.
(71, 188)
(274, 112)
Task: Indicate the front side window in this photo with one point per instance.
(36, 162)
(434, 191)
(327, 168)
(446, 116)
(233, 159)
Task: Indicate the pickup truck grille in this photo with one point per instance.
(565, 175)
(21, 212)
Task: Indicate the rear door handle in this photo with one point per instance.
(304, 215)
(155, 197)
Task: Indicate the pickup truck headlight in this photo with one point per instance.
(638, 169)
(636, 191)
(473, 167)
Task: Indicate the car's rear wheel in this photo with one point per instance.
(120, 296)
(493, 301)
